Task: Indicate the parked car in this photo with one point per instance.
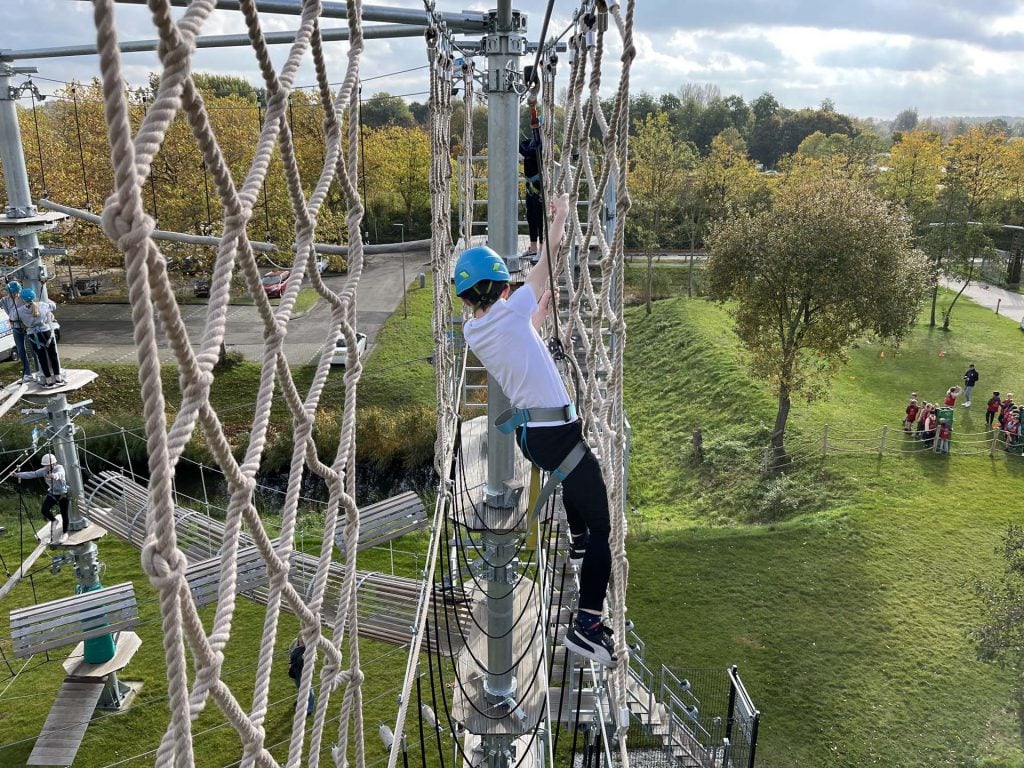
(275, 283)
(201, 288)
(340, 356)
(84, 286)
(7, 349)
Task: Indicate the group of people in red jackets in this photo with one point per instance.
(924, 422)
(1003, 414)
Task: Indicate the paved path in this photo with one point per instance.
(103, 332)
(1010, 303)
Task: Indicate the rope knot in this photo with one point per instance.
(165, 570)
(128, 228)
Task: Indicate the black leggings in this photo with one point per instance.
(46, 352)
(48, 504)
(535, 219)
(585, 500)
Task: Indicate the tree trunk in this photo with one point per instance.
(778, 458)
(650, 279)
(689, 277)
(949, 310)
(935, 289)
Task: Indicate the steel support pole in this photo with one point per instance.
(19, 195)
(504, 44)
(62, 431)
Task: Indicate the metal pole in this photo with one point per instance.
(504, 43)
(62, 430)
(405, 281)
(19, 195)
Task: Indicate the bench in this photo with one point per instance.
(71, 619)
(387, 520)
(204, 577)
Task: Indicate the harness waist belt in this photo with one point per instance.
(517, 417)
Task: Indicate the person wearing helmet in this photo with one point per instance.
(10, 306)
(37, 315)
(503, 334)
(56, 494)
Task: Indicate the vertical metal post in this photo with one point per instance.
(19, 194)
(504, 44)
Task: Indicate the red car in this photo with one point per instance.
(275, 283)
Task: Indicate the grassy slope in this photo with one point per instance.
(848, 624)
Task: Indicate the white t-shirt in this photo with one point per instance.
(515, 355)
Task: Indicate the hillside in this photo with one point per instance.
(848, 616)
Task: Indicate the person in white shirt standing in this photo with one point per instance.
(503, 333)
(56, 494)
(10, 306)
(40, 323)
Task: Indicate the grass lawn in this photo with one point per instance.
(848, 618)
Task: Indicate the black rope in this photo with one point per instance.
(39, 141)
(81, 149)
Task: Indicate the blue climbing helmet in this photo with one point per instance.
(476, 265)
(14, 287)
(27, 294)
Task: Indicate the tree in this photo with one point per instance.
(654, 179)
(975, 169)
(383, 109)
(1000, 638)
(914, 172)
(905, 120)
(826, 263)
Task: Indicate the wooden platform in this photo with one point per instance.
(91, 532)
(65, 726)
(75, 379)
(19, 574)
(470, 706)
(127, 644)
(474, 471)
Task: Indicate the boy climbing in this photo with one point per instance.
(503, 334)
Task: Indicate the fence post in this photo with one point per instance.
(998, 302)
(753, 739)
(992, 445)
(881, 445)
(732, 703)
(824, 441)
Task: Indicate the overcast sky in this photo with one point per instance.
(872, 58)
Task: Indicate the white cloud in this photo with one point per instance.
(872, 57)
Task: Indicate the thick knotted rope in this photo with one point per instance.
(127, 223)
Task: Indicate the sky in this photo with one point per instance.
(872, 58)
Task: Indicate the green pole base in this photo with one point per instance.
(98, 650)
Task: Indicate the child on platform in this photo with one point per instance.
(53, 475)
(37, 316)
(503, 333)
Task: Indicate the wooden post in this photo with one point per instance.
(824, 441)
(698, 446)
(998, 302)
(881, 445)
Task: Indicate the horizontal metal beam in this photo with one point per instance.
(156, 234)
(379, 31)
(328, 249)
(466, 21)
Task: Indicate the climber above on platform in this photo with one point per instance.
(503, 335)
(37, 316)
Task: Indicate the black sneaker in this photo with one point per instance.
(578, 548)
(593, 643)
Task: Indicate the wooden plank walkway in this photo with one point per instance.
(471, 706)
(65, 726)
(473, 480)
(19, 574)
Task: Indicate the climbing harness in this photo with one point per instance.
(513, 418)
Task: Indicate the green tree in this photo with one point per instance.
(999, 639)
(383, 109)
(826, 263)
(658, 165)
(975, 165)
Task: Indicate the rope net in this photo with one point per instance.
(126, 222)
(593, 273)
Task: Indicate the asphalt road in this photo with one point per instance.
(104, 332)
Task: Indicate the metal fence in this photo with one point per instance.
(693, 718)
